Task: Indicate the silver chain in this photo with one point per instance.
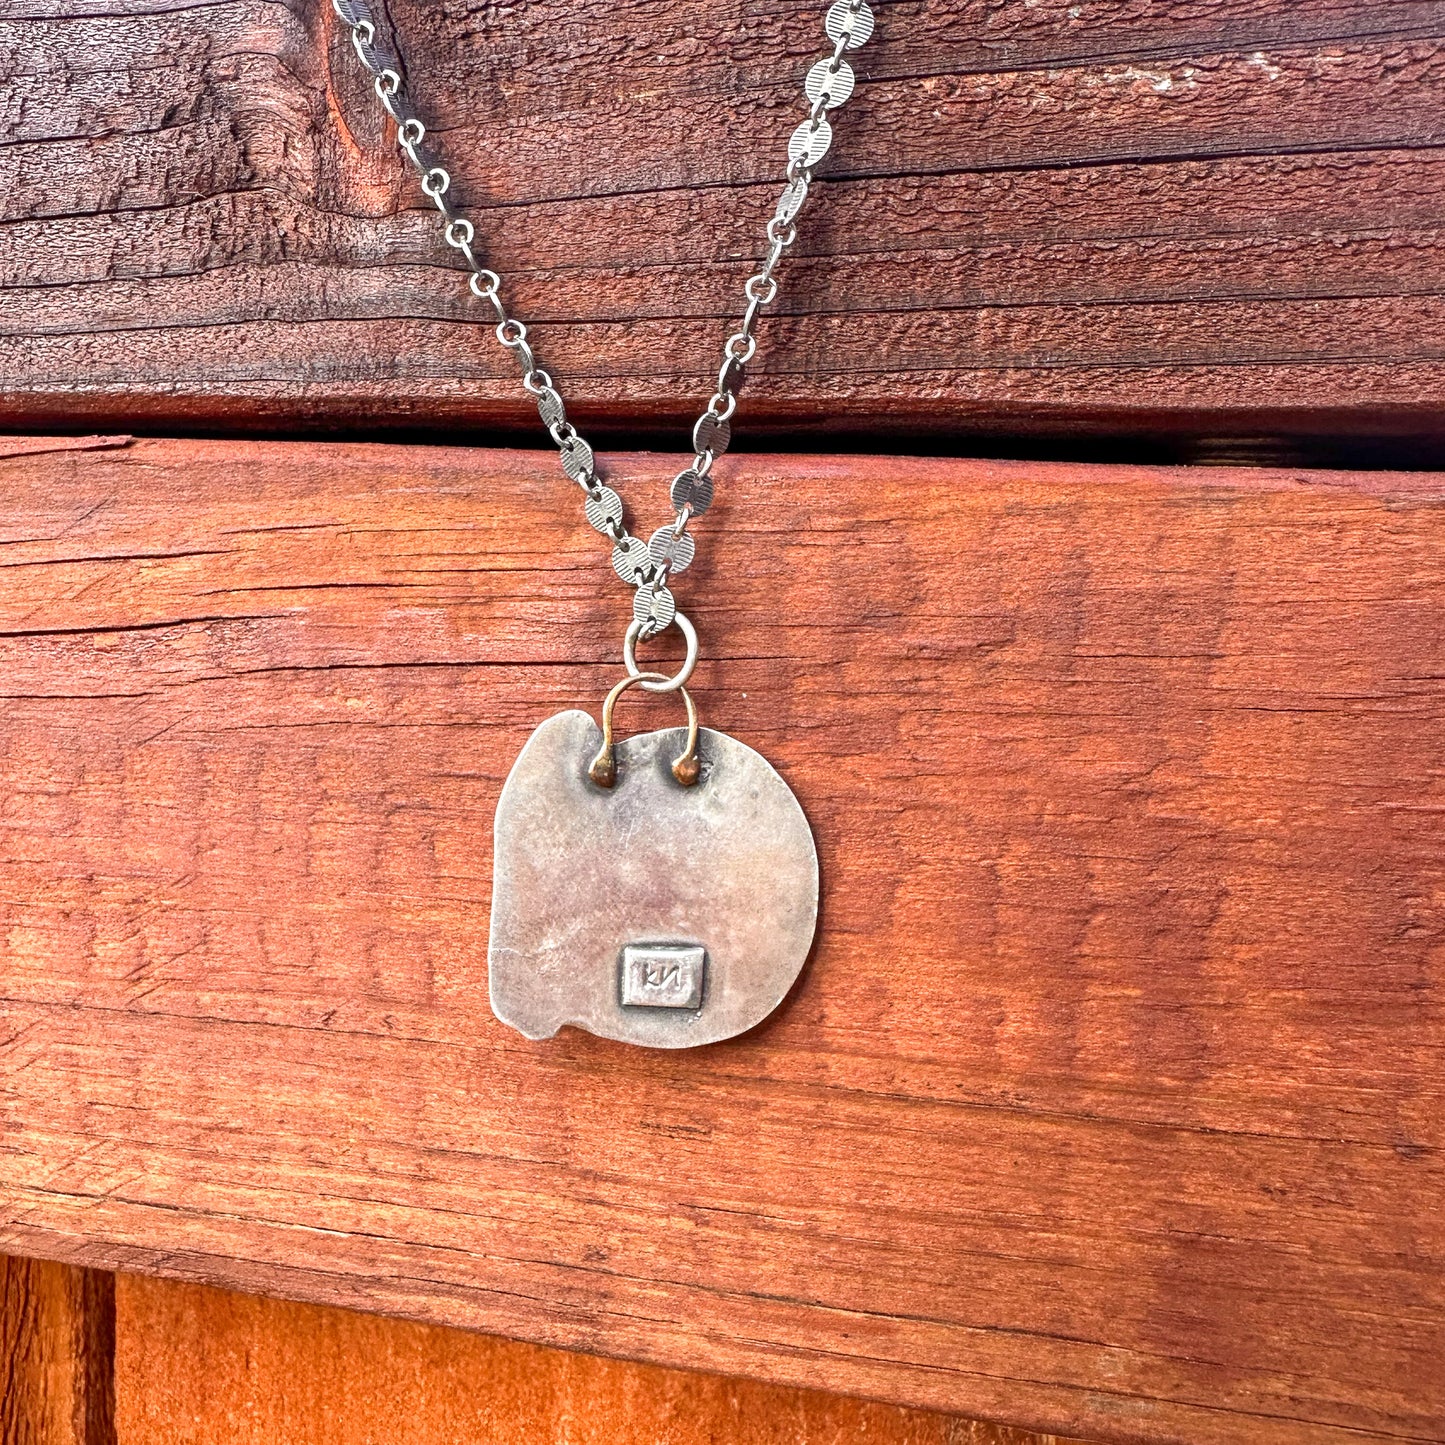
(646, 566)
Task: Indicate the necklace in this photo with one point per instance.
(660, 897)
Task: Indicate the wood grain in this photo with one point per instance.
(200, 1366)
(57, 1338)
(1110, 1102)
(1157, 218)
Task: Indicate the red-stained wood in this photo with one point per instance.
(199, 1366)
(1110, 1102)
(90, 1358)
(1169, 218)
(57, 1340)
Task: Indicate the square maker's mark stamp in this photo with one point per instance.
(663, 975)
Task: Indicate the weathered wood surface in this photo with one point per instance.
(92, 1358)
(1111, 1100)
(57, 1337)
(200, 1366)
(1169, 216)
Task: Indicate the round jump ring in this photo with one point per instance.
(670, 684)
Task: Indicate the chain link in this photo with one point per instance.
(651, 565)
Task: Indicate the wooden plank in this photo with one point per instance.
(1110, 1102)
(1163, 218)
(57, 1337)
(210, 1367)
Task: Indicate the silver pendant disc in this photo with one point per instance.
(652, 913)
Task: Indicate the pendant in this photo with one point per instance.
(661, 891)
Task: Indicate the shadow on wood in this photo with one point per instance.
(199, 1366)
(57, 1338)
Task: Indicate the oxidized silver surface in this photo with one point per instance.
(647, 891)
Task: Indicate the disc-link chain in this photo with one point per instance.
(646, 566)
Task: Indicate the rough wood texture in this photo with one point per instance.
(57, 1336)
(1161, 216)
(199, 1366)
(1110, 1102)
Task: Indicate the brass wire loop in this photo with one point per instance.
(685, 767)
